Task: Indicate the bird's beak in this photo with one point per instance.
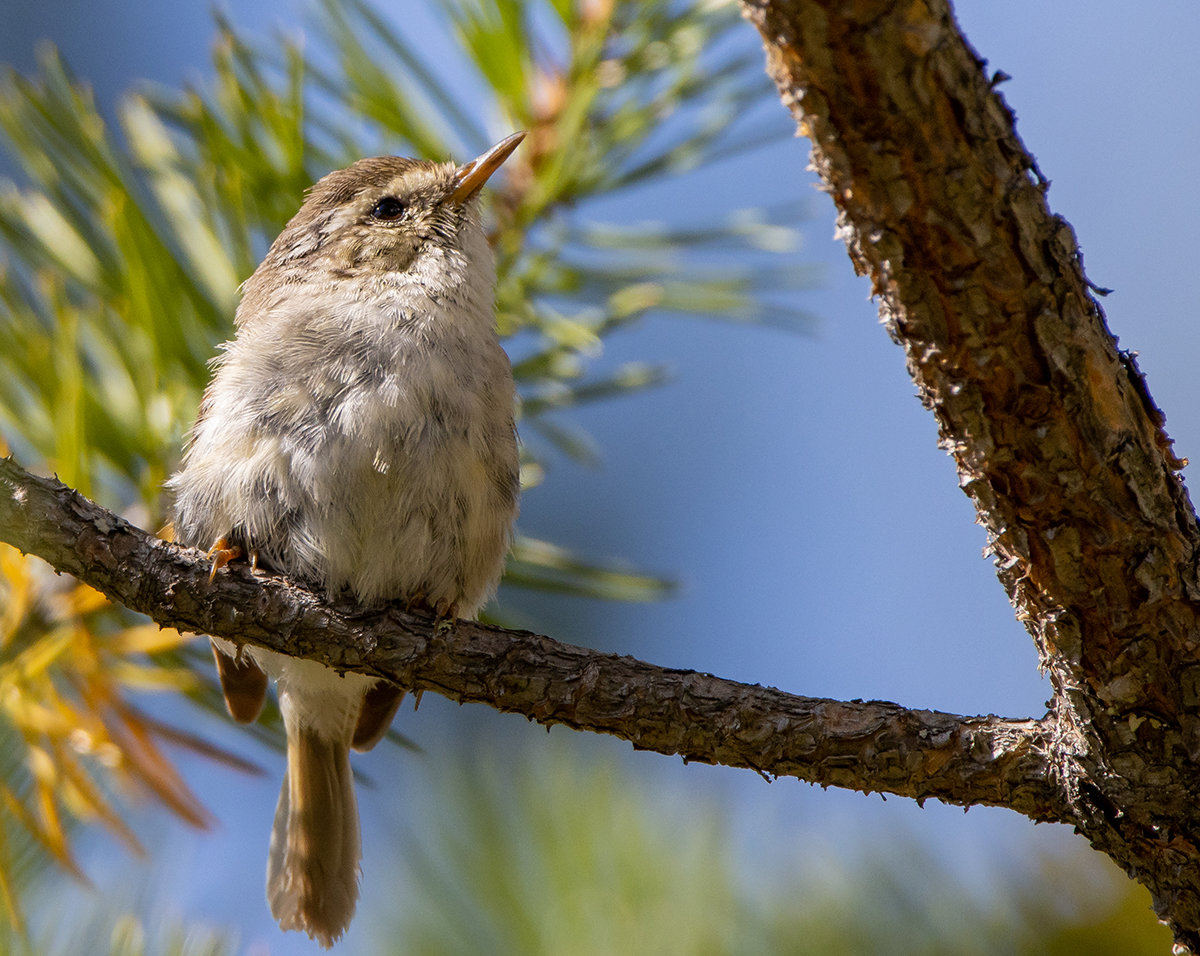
(470, 177)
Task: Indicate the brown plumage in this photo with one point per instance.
(357, 436)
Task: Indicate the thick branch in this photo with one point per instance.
(1054, 433)
(874, 746)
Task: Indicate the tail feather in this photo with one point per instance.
(243, 683)
(379, 706)
(313, 867)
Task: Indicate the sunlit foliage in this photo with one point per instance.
(546, 852)
(121, 251)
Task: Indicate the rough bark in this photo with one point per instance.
(1054, 433)
(868, 746)
(1055, 436)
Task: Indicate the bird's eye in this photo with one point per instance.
(388, 209)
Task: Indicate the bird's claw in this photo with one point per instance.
(221, 553)
(445, 613)
(445, 616)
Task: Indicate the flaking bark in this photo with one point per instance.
(1055, 436)
(1054, 433)
(868, 746)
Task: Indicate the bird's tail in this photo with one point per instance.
(312, 871)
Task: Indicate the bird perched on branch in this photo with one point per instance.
(357, 436)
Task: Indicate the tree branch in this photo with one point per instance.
(1055, 435)
(872, 746)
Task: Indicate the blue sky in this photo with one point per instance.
(792, 483)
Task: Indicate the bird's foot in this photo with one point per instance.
(445, 616)
(445, 613)
(222, 552)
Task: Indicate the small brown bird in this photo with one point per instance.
(358, 435)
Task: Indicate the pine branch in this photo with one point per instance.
(1054, 432)
(868, 746)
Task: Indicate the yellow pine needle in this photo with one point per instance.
(40, 655)
(38, 712)
(50, 824)
(82, 599)
(14, 805)
(148, 764)
(7, 891)
(41, 765)
(16, 586)
(198, 745)
(90, 796)
(152, 677)
(146, 639)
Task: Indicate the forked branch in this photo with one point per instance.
(869, 746)
(1054, 433)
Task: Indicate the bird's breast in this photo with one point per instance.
(360, 447)
(402, 449)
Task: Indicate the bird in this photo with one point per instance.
(358, 437)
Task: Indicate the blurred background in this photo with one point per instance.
(727, 469)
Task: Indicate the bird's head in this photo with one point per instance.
(379, 217)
